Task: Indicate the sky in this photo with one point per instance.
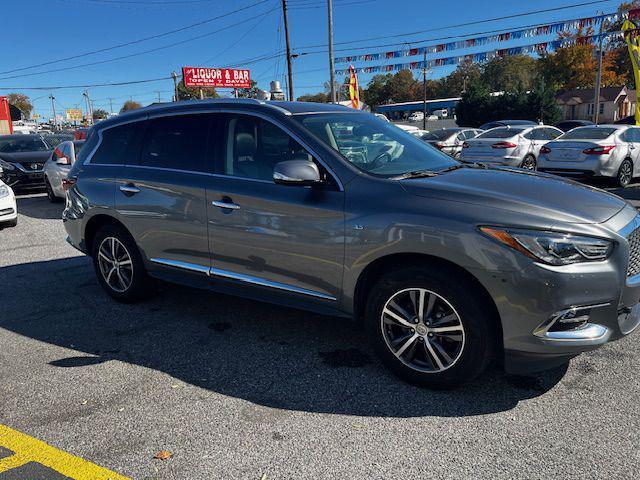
(43, 31)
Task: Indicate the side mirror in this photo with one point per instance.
(63, 161)
(296, 172)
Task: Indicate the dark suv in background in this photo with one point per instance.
(447, 265)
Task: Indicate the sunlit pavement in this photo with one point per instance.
(236, 389)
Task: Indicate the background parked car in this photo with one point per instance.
(571, 124)
(58, 166)
(407, 128)
(54, 139)
(513, 146)
(450, 140)
(421, 134)
(600, 150)
(8, 208)
(21, 159)
(506, 123)
(416, 116)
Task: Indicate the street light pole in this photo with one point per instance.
(332, 78)
(174, 75)
(596, 99)
(286, 35)
(53, 107)
(424, 92)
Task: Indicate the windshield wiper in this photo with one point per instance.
(416, 174)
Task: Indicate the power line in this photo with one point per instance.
(488, 20)
(144, 52)
(140, 40)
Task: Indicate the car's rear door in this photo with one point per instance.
(160, 195)
(279, 238)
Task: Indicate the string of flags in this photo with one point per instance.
(538, 48)
(558, 27)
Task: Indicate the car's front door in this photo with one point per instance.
(160, 194)
(282, 238)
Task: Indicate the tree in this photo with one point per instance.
(21, 102)
(100, 114)
(541, 103)
(507, 74)
(193, 93)
(474, 108)
(130, 105)
(617, 57)
(376, 92)
(251, 92)
(316, 98)
(401, 87)
(455, 84)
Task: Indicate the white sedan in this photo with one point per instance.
(58, 166)
(517, 146)
(8, 208)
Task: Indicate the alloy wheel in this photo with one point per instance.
(115, 264)
(423, 330)
(625, 173)
(529, 163)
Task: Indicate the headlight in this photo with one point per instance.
(4, 191)
(6, 165)
(551, 247)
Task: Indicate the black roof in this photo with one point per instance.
(285, 108)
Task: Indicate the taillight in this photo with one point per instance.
(465, 145)
(439, 145)
(68, 183)
(504, 145)
(545, 150)
(599, 150)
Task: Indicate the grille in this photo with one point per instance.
(634, 253)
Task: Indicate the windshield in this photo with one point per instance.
(501, 133)
(588, 133)
(375, 146)
(28, 144)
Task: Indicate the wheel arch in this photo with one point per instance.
(397, 261)
(94, 224)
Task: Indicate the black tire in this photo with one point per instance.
(625, 173)
(50, 195)
(139, 285)
(477, 338)
(529, 163)
(11, 223)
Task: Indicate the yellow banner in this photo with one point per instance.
(354, 91)
(630, 30)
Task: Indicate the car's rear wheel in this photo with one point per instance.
(119, 265)
(50, 194)
(625, 173)
(529, 163)
(429, 329)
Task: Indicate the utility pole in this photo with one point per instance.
(53, 107)
(331, 65)
(286, 35)
(89, 110)
(110, 104)
(159, 99)
(596, 99)
(424, 92)
(174, 75)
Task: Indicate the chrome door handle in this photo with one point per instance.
(229, 205)
(129, 189)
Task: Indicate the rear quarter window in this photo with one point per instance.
(120, 145)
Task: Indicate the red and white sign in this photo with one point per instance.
(215, 77)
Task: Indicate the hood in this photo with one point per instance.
(26, 157)
(519, 191)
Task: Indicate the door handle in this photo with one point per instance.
(129, 189)
(228, 205)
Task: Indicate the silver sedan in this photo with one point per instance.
(602, 151)
(58, 166)
(449, 140)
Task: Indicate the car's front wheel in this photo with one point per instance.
(119, 265)
(429, 328)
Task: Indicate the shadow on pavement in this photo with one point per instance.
(269, 355)
(39, 206)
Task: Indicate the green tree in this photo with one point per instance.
(456, 83)
(251, 92)
(475, 106)
(541, 103)
(21, 102)
(376, 91)
(100, 114)
(130, 105)
(314, 97)
(193, 93)
(507, 74)
(401, 87)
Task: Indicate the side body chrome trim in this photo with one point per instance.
(216, 272)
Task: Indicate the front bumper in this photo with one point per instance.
(530, 298)
(19, 179)
(8, 208)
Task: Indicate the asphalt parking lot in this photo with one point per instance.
(236, 389)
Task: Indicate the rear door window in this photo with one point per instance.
(120, 145)
(176, 142)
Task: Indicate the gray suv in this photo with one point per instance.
(447, 265)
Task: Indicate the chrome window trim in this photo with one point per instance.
(87, 161)
(216, 272)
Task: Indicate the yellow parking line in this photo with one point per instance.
(28, 449)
